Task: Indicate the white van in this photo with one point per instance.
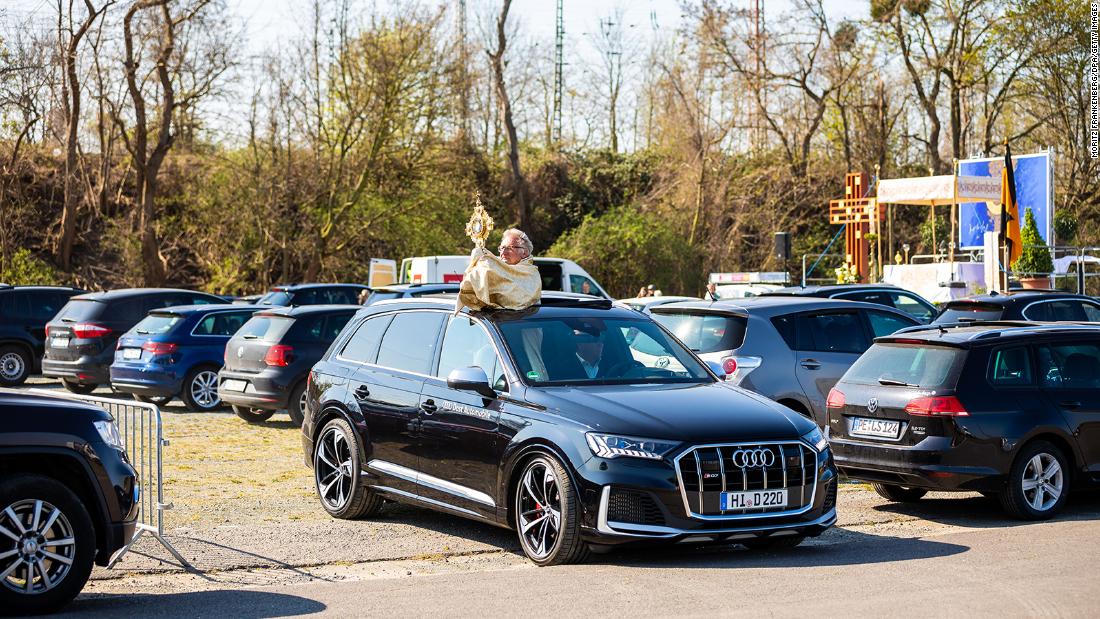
(557, 273)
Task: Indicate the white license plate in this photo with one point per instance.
(232, 384)
(131, 353)
(885, 428)
(59, 342)
(754, 499)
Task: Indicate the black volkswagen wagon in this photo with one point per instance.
(1011, 410)
(554, 422)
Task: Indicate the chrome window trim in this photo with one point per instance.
(489, 336)
(507, 365)
(435, 483)
(692, 449)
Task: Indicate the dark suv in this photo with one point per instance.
(1036, 305)
(68, 499)
(313, 294)
(81, 338)
(268, 359)
(24, 312)
(882, 294)
(551, 421)
(1011, 410)
(791, 350)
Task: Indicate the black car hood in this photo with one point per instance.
(697, 413)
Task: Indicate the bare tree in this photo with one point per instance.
(152, 26)
(496, 57)
(68, 43)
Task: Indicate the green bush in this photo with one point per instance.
(625, 249)
(25, 269)
(1035, 258)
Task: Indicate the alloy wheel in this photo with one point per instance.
(539, 506)
(12, 366)
(333, 467)
(204, 389)
(1042, 481)
(37, 546)
(302, 403)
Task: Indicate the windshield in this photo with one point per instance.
(155, 324)
(927, 367)
(595, 351)
(705, 333)
(275, 297)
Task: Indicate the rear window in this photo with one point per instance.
(79, 309)
(275, 297)
(958, 312)
(381, 295)
(928, 367)
(705, 333)
(265, 328)
(155, 324)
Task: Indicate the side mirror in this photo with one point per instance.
(471, 379)
(717, 369)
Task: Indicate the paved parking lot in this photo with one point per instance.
(246, 516)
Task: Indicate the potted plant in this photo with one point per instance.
(1034, 264)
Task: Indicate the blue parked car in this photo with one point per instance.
(177, 351)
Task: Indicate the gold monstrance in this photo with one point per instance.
(480, 224)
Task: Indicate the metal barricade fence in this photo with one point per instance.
(142, 433)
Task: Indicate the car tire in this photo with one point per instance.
(784, 542)
(548, 536)
(78, 388)
(295, 406)
(1039, 469)
(22, 496)
(15, 366)
(200, 390)
(252, 415)
(337, 465)
(159, 400)
(899, 494)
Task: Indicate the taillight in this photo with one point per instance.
(729, 366)
(160, 348)
(88, 330)
(937, 406)
(835, 399)
(279, 354)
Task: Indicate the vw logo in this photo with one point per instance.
(872, 405)
(753, 458)
(240, 352)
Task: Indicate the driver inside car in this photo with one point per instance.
(589, 352)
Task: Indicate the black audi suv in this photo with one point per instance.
(575, 422)
(1011, 410)
(68, 499)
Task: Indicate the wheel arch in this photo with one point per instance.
(35, 360)
(1065, 445)
(519, 458)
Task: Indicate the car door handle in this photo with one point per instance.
(809, 364)
(1070, 404)
(428, 406)
(362, 392)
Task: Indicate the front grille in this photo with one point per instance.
(706, 472)
(633, 507)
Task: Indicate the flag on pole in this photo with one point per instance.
(1010, 220)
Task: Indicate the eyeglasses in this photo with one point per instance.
(511, 247)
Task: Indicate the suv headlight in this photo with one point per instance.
(614, 446)
(109, 433)
(817, 439)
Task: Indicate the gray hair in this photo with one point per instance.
(523, 239)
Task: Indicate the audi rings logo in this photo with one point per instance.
(753, 458)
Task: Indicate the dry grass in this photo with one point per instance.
(221, 470)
